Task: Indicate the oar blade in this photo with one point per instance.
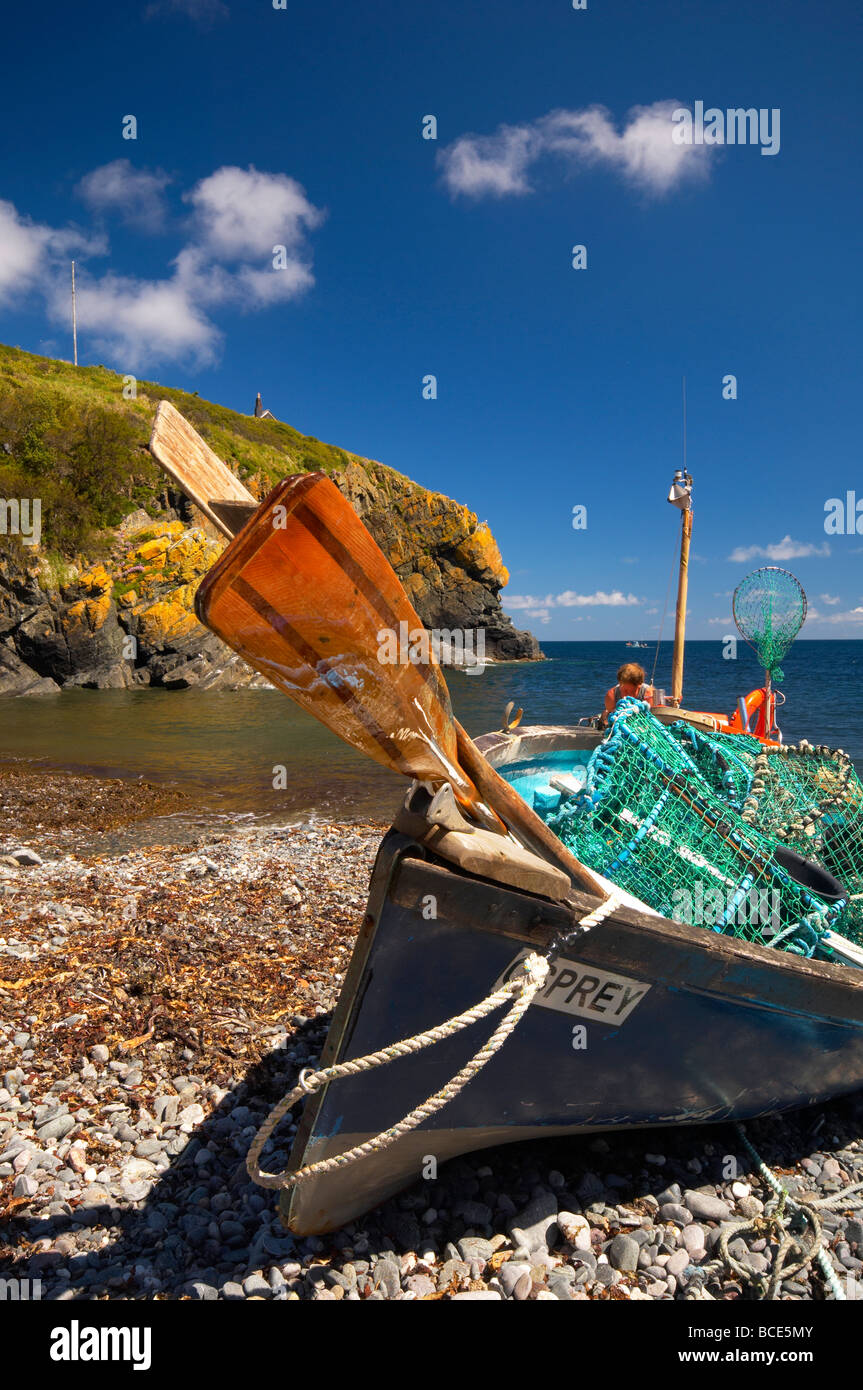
(306, 597)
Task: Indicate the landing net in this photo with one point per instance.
(769, 608)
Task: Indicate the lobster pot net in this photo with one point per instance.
(664, 819)
(808, 798)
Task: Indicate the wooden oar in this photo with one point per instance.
(305, 595)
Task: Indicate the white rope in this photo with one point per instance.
(524, 985)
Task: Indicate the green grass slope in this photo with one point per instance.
(68, 436)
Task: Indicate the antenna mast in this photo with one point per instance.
(74, 320)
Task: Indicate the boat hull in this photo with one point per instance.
(645, 1022)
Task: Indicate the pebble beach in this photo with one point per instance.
(157, 998)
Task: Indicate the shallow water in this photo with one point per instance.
(227, 747)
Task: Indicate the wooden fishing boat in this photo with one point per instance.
(643, 1022)
(635, 1020)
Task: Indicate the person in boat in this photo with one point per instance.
(630, 681)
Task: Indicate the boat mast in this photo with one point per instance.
(681, 496)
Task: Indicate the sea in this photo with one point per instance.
(254, 754)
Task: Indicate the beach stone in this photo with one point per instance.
(138, 1169)
(256, 1286)
(523, 1287)
(200, 1291)
(509, 1275)
(477, 1295)
(623, 1253)
(854, 1231)
(233, 1292)
(706, 1207)
(166, 1109)
(450, 1270)
(607, 1275)
(475, 1248)
(57, 1128)
(575, 1229)
(27, 858)
(672, 1193)
(147, 1148)
(25, 1186)
(421, 1285)
(674, 1211)
(100, 1054)
(693, 1238)
(677, 1262)
(750, 1206)
(536, 1226)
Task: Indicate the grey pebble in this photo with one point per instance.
(706, 1206)
(675, 1211)
(536, 1225)
(623, 1253)
(256, 1286)
(509, 1275)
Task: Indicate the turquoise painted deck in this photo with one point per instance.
(532, 779)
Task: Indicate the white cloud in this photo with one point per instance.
(135, 194)
(643, 152)
(29, 251)
(539, 615)
(570, 599)
(136, 321)
(852, 615)
(241, 214)
(830, 599)
(786, 549)
(238, 216)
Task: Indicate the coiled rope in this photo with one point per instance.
(524, 985)
(788, 1244)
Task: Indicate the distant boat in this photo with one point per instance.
(636, 644)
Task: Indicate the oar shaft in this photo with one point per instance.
(520, 817)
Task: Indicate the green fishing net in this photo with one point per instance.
(712, 830)
(769, 608)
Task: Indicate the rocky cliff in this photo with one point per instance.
(111, 605)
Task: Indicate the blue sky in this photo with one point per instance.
(406, 257)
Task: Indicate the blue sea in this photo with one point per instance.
(224, 746)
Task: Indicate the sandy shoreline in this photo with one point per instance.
(154, 1003)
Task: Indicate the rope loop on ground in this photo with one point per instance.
(789, 1245)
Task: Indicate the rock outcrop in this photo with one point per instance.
(130, 621)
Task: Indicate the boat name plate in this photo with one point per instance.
(574, 988)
